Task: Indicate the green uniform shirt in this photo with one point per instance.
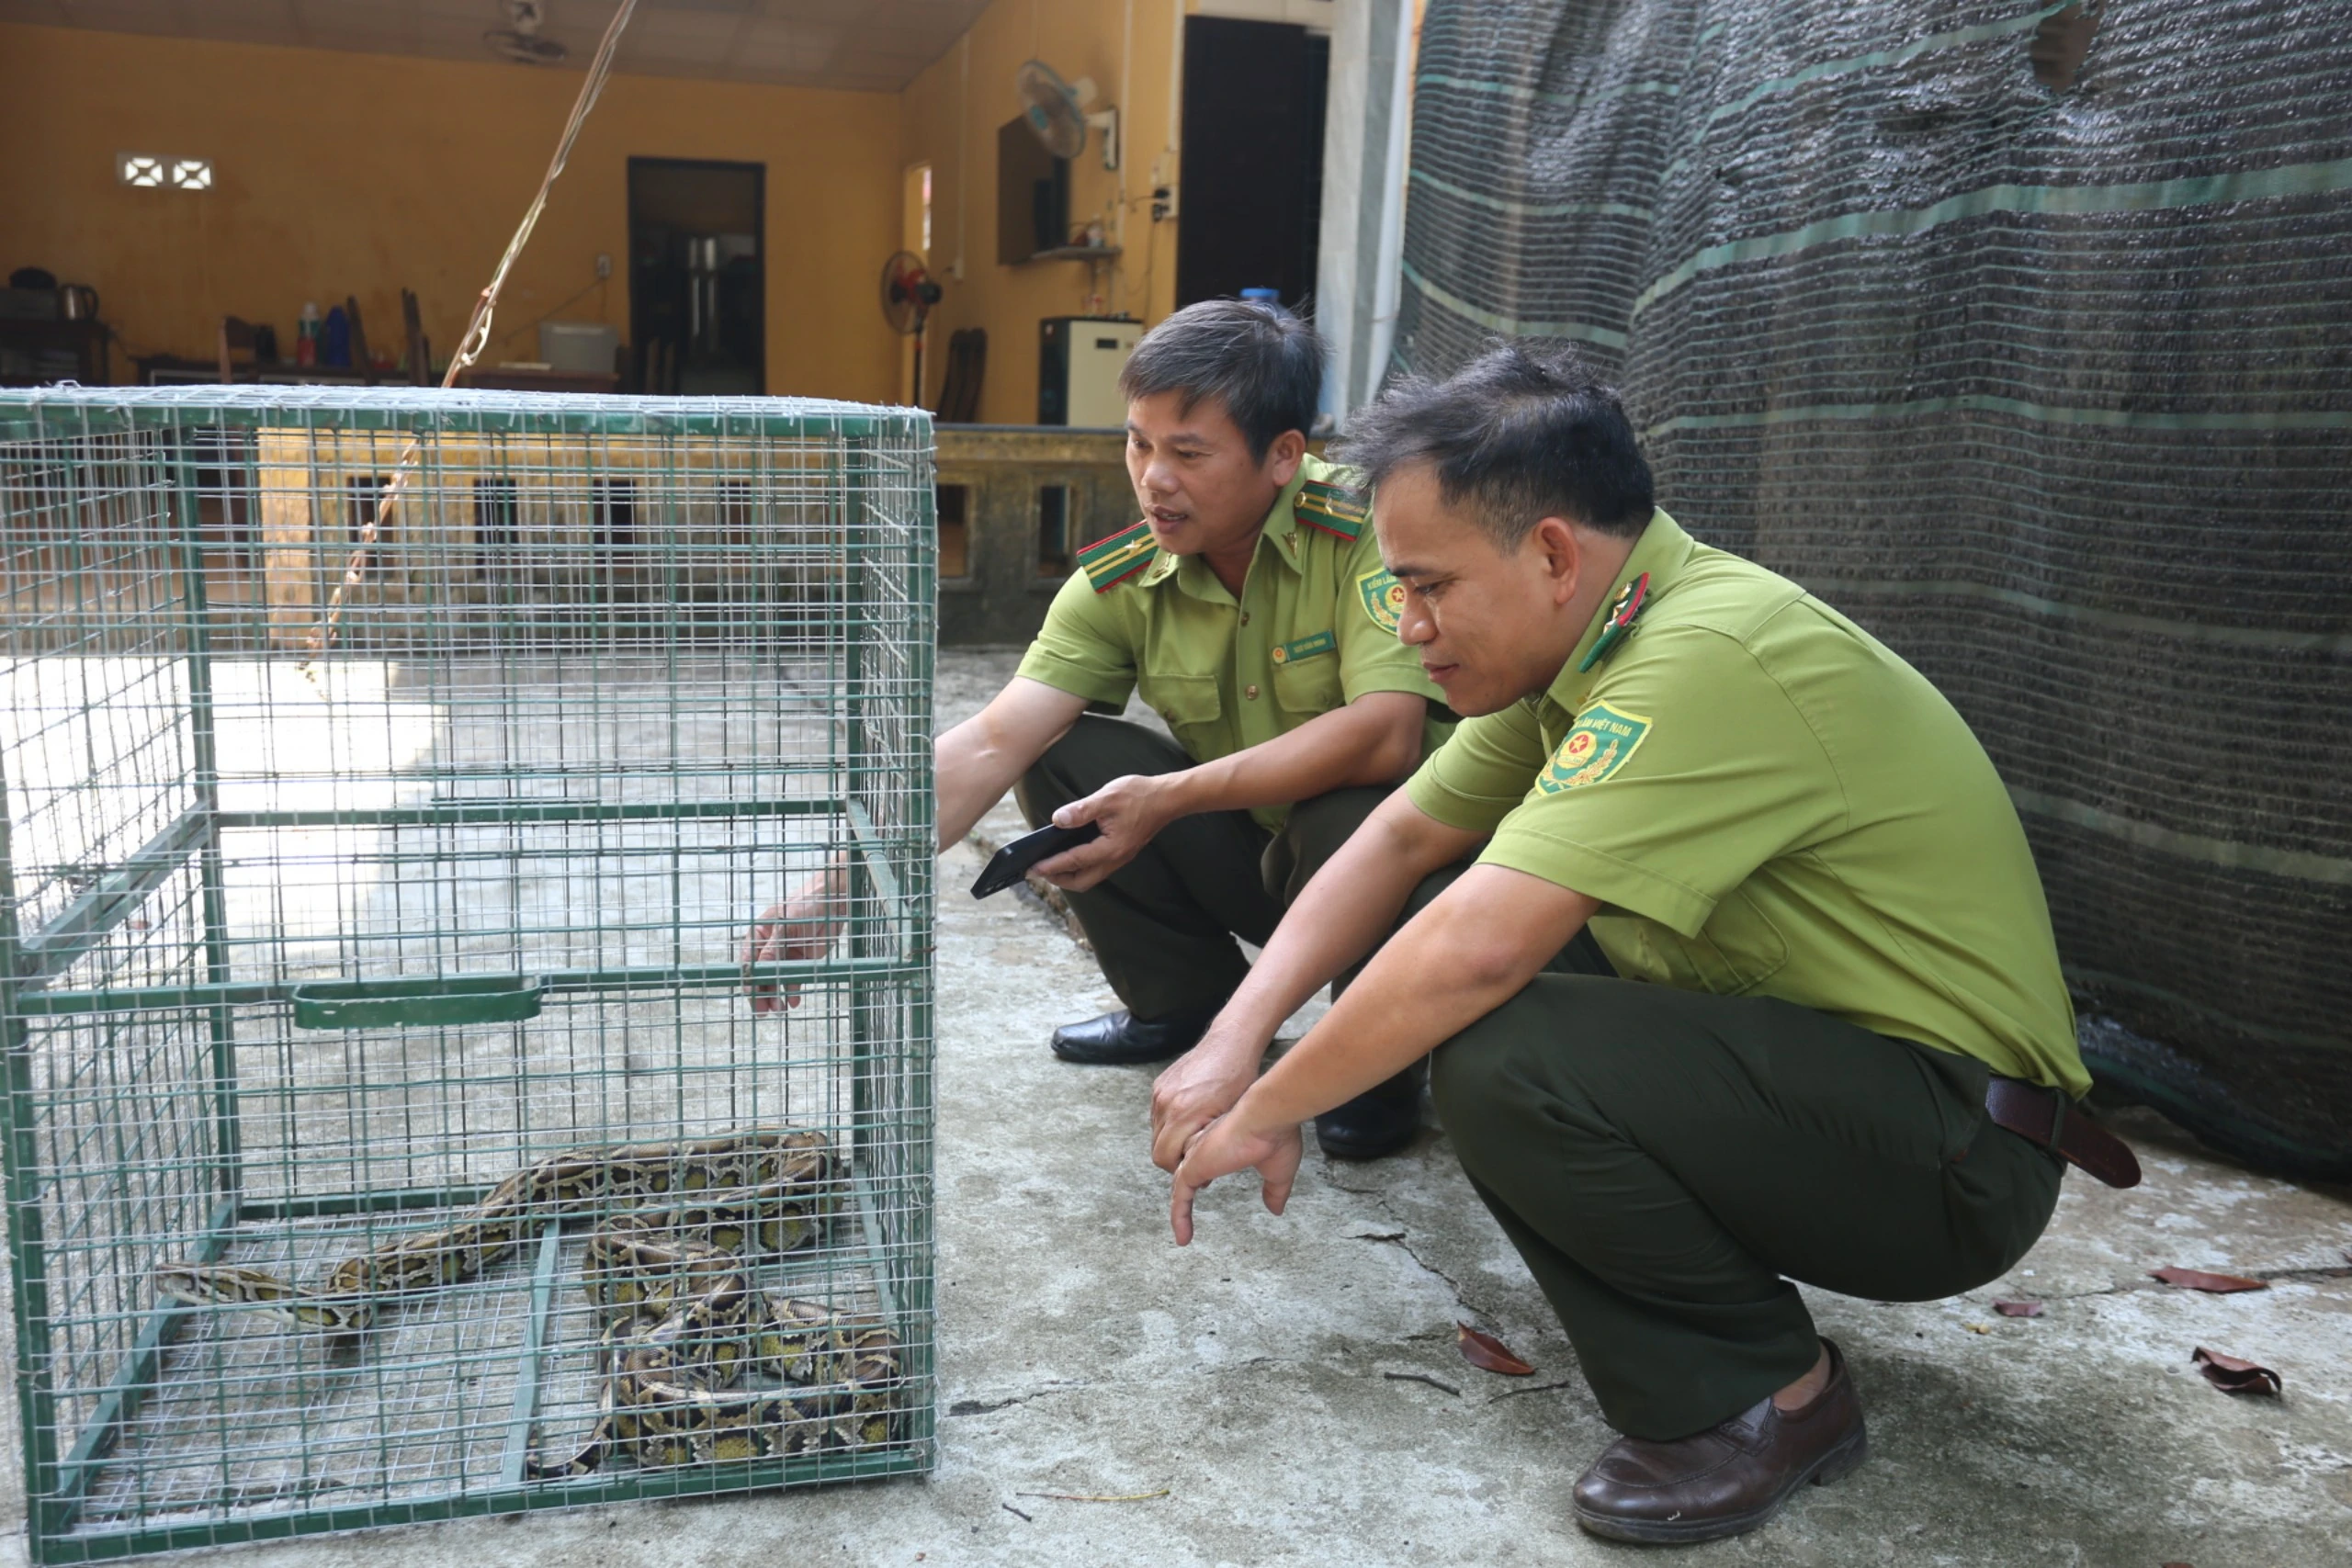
(1316, 628)
(1767, 801)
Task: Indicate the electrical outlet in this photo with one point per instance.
(604, 265)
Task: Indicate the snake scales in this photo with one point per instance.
(682, 1319)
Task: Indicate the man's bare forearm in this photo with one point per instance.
(1340, 915)
(973, 764)
(984, 756)
(1376, 739)
(1488, 935)
(1347, 909)
(973, 769)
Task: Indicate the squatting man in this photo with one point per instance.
(1723, 942)
(1249, 607)
(1720, 933)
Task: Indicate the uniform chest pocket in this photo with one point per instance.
(1307, 675)
(1734, 952)
(1738, 949)
(1184, 701)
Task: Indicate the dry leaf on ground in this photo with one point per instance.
(2018, 1309)
(2231, 1375)
(1486, 1351)
(2213, 1284)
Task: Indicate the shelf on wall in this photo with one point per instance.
(1076, 253)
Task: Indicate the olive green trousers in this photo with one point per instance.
(1668, 1161)
(1163, 925)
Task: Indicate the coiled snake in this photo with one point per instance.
(684, 1320)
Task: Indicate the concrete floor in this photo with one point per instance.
(1272, 1394)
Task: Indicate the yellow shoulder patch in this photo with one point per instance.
(1383, 599)
(1602, 740)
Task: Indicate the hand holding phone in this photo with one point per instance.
(1012, 863)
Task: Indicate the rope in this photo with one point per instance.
(476, 337)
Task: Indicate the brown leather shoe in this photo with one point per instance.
(1728, 1478)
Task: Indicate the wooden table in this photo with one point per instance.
(35, 354)
(174, 370)
(514, 379)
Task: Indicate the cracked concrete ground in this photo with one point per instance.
(1287, 1391)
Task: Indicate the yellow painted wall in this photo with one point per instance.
(350, 174)
(950, 114)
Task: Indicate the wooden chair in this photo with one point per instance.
(968, 363)
(420, 347)
(362, 362)
(236, 337)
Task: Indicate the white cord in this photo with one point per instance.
(476, 336)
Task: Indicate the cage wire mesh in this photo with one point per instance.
(2013, 328)
(317, 942)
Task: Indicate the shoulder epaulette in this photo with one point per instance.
(1109, 562)
(1330, 509)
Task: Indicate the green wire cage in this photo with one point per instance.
(390, 779)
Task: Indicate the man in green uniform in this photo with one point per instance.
(1250, 609)
(1751, 979)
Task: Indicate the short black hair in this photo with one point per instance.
(1519, 435)
(1262, 363)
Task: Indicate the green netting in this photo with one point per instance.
(386, 782)
(2041, 375)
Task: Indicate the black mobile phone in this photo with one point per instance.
(1011, 864)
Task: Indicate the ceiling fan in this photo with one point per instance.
(519, 40)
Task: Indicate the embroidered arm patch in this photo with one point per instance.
(1602, 740)
(1383, 599)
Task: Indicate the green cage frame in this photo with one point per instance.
(886, 948)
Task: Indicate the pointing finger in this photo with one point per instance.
(1278, 1191)
(1180, 1211)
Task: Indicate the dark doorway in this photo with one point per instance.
(1252, 158)
(698, 275)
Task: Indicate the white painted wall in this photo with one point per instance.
(1362, 245)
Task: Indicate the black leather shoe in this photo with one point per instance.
(1121, 1039)
(1378, 1122)
(1729, 1478)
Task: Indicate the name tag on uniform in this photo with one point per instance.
(1304, 647)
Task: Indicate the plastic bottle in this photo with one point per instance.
(306, 335)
